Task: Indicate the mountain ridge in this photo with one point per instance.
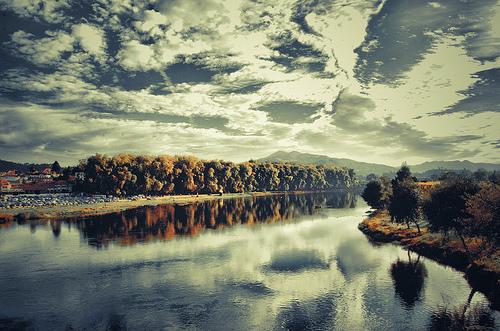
(365, 168)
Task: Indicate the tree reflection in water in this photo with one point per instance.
(408, 278)
(167, 221)
(478, 317)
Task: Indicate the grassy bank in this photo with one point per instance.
(483, 274)
(62, 212)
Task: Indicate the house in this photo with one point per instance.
(60, 186)
(39, 178)
(10, 176)
(57, 186)
(5, 185)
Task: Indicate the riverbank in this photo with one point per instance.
(483, 274)
(107, 206)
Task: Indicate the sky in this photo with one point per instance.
(374, 81)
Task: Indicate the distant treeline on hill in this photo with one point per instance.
(129, 175)
(21, 167)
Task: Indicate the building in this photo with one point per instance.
(11, 176)
(5, 185)
(57, 186)
(39, 178)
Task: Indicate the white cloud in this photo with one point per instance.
(50, 11)
(42, 51)
(214, 35)
(136, 56)
(91, 39)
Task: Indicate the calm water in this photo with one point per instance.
(281, 262)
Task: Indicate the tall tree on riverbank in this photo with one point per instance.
(404, 205)
(377, 193)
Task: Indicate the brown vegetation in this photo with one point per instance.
(483, 273)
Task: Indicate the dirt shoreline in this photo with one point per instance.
(95, 209)
(483, 274)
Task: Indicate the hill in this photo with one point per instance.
(20, 167)
(365, 168)
(361, 168)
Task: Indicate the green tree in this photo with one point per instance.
(56, 167)
(446, 208)
(404, 204)
(373, 194)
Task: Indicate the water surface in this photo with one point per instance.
(280, 262)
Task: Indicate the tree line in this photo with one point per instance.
(162, 175)
(465, 205)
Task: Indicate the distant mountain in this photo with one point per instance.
(361, 168)
(364, 168)
(20, 167)
(454, 165)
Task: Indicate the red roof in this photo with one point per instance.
(47, 171)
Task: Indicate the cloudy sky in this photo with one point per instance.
(377, 81)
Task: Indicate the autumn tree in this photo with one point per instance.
(127, 175)
(484, 210)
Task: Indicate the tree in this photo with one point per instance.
(404, 205)
(403, 173)
(480, 175)
(446, 207)
(127, 174)
(32, 169)
(56, 167)
(373, 194)
(484, 209)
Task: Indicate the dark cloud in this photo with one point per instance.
(205, 122)
(241, 87)
(496, 143)
(295, 55)
(12, 23)
(195, 71)
(25, 138)
(404, 31)
(127, 80)
(482, 96)
(189, 73)
(350, 116)
(146, 65)
(290, 111)
(301, 10)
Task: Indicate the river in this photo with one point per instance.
(265, 263)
